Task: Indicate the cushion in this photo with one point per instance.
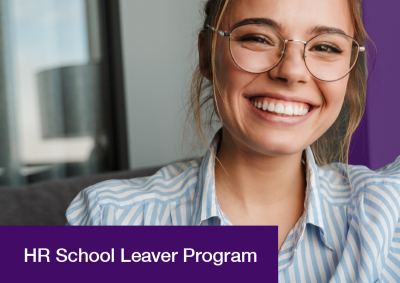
(45, 203)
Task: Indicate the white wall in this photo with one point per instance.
(158, 37)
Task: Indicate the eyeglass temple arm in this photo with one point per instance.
(219, 31)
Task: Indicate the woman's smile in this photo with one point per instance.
(276, 108)
(281, 107)
(279, 111)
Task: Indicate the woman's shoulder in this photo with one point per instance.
(377, 192)
(371, 195)
(112, 197)
(359, 178)
(368, 199)
(358, 189)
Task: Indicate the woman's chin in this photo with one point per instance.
(278, 147)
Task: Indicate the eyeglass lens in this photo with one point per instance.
(259, 48)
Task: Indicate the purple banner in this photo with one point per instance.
(376, 142)
(139, 254)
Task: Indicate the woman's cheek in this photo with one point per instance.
(226, 75)
(333, 94)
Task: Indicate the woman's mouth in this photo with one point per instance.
(280, 107)
(278, 111)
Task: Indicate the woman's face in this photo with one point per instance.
(289, 83)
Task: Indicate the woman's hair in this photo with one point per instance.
(332, 146)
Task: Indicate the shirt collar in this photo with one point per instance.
(313, 204)
(206, 205)
(207, 208)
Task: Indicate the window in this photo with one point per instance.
(57, 72)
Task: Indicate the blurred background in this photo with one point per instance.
(94, 86)
(91, 86)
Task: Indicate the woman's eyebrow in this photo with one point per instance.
(266, 21)
(320, 29)
(314, 30)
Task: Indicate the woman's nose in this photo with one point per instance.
(292, 68)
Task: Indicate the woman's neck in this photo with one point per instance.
(258, 189)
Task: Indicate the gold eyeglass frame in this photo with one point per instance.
(226, 34)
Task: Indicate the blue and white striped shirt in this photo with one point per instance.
(346, 233)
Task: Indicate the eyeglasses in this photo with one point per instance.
(258, 48)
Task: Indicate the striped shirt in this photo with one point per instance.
(347, 233)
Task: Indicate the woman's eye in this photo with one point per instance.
(255, 38)
(327, 48)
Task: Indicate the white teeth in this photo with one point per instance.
(279, 108)
(288, 110)
(296, 110)
(271, 107)
(265, 105)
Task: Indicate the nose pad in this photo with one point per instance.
(303, 54)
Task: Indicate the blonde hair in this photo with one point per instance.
(333, 145)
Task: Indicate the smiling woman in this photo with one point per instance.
(287, 80)
(333, 25)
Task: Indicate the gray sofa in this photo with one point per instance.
(45, 203)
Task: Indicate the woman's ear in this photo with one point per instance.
(204, 60)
